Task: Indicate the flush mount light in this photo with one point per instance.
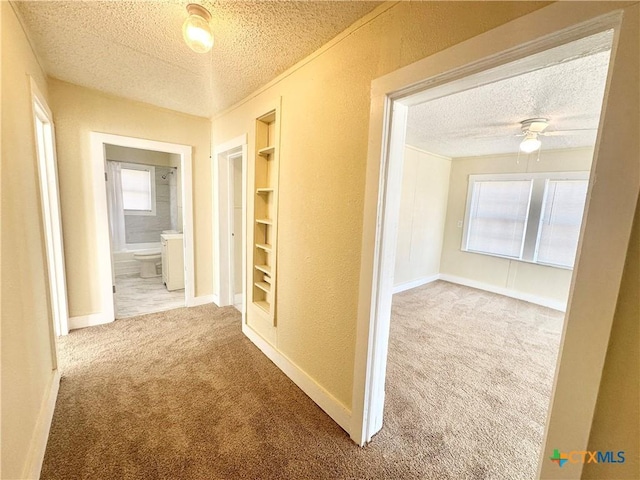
(196, 30)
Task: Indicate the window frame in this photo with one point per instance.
(532, 227)
(152, 177)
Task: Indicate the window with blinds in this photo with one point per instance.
(560, 222)
(498, 217)
(138, 189)
(529, 217)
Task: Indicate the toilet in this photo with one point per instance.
(149, 259)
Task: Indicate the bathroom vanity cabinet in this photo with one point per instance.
(172, 261)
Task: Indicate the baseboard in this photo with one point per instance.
(41, 433)
(415, 283)
(327, 402)
(237, 299)
(527, 297)
(91, 320)
(202, 300)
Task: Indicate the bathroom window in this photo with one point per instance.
(138, 189)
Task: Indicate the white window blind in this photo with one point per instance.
(137, 189)
(531, 217)
(498, 217)
(560, 222)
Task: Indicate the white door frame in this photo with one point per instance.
(605, 232)
(52, 220)
(222, 169)
(104, 273)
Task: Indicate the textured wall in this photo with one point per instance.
(78, 111)
(542, 281)
(26, 316)
(325, 124)
(423, 209)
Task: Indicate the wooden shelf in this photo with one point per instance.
(264, 246)
(264, 269)
(266, 151)
(263, 217)
(264, 306)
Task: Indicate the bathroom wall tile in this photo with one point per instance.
(148, 228)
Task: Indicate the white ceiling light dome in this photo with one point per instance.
(530, 143)
(196, 29)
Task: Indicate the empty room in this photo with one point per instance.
(494, 186)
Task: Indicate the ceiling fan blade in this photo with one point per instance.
(577, 131)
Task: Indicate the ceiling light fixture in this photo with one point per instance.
(531, 129)
(196, 29)
(530, 143)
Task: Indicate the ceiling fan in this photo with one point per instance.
(532, 128)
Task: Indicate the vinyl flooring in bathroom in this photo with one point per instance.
(137, 296)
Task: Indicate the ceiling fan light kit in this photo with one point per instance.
(530, 143)
(531, 128)
(196, 29)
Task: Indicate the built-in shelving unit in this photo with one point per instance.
(265, 214)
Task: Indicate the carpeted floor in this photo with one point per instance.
(183, 394)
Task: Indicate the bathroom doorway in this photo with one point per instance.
(144, 191)
(101, 149)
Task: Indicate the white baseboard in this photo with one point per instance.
(202, 300)
(527, 297)
(327, 402)
(238, 298)
(41, 433)
(415, 283)
(91, 320)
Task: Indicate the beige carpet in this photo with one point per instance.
(183, 394)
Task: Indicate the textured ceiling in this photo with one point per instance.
(485, 120)
(135, 49)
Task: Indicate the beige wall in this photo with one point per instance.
(423, 207)
(520, 277)
(324, 134)
(616, 424)
(27, 368)
(79, 111)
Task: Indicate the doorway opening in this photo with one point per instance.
(144, 200)
(177, 159)
(460, 69)
(49, 194)
(230, 175)
(487, 238)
